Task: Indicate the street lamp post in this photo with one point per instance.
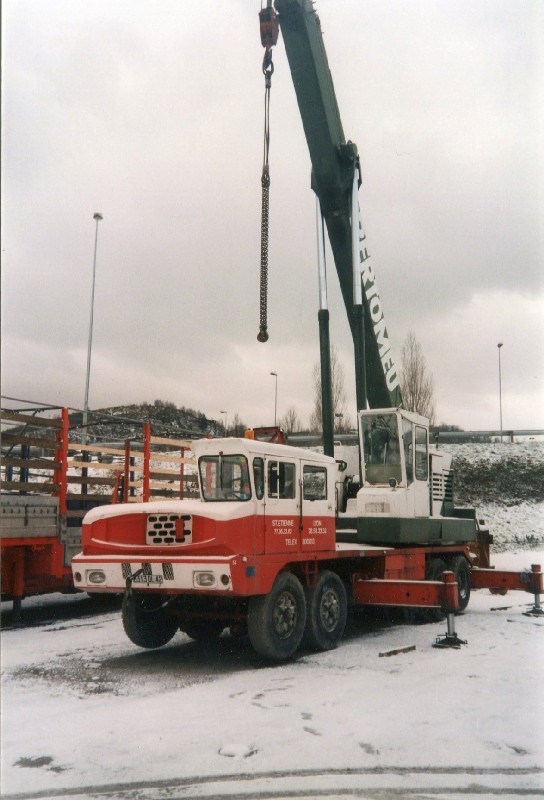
(225, 413)
(97, 217)
(500, 344)
(275, 374)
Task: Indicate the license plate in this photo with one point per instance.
(147, 579)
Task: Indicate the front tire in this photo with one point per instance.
(327, 611)
(276, 621)
(145, 621)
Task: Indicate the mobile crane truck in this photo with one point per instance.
(282, 540)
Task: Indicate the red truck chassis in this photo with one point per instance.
(269, 566)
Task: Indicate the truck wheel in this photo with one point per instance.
(435, 568)
(146, 624)
(203, 630)
(460, 568)
(326, 612)
(276, 620)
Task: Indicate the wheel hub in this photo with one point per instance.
(329, 610)
(285, 615)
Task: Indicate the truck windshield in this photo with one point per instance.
(381, 448)
(224, 477)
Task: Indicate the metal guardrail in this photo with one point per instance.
(467, 436)
(316, 439)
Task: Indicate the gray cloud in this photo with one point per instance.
(151, 112)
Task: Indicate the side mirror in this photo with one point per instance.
(393, 483)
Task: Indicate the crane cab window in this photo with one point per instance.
(381, 448)
(408, 450)
(281, 480)
(422, 455)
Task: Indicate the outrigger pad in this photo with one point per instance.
(534, 612)
(447, 640)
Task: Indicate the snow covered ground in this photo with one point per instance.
(87, 714)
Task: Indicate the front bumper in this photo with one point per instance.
(104, 574)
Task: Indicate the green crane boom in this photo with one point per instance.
(335, 167)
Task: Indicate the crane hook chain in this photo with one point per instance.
(269, 36)
(268, 69)
(262, 336)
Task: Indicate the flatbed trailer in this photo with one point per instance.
(50, 480)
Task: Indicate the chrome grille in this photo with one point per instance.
(168, 529)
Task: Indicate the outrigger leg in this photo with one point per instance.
(536, 587)
(450, 639)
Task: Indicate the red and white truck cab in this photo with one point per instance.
(257, 500)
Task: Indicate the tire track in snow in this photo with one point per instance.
(372, 783)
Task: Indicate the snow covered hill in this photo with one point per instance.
(505, 483)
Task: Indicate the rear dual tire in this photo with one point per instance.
(316, 616)
(461, 571)
(276, 620)
(327, 610)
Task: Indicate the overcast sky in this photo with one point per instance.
(151, 112)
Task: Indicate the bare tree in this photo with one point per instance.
(339, 401)
(238, 426)
(417, 383)
(290, 422)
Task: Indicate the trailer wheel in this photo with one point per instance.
(203, 630)
(460, 568)
(435, 568)
(145, 622)
(326, 612)
(276, 620)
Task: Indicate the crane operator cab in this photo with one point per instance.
(406, 492)
(395, 462)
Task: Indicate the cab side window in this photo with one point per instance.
(314, 481)
(258, 477)
(281, 480)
